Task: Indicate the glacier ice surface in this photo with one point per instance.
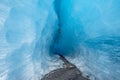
(87, 34)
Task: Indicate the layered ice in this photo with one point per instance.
(33, 32)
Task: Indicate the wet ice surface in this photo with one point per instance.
(89, 37)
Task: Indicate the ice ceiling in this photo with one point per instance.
(32, 32)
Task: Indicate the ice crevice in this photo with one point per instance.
(85, 32)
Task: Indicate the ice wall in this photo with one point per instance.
(90, 32)
(85, 31)
(26, 28)
(81, 20)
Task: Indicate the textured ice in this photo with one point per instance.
(85, 31)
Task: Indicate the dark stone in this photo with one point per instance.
(69, 72)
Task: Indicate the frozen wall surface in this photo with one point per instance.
(32, 32)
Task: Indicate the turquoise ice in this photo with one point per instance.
(87, 32)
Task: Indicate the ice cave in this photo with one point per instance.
(34, 32)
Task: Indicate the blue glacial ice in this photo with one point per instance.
(32, 32)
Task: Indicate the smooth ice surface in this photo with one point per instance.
(32, 32)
